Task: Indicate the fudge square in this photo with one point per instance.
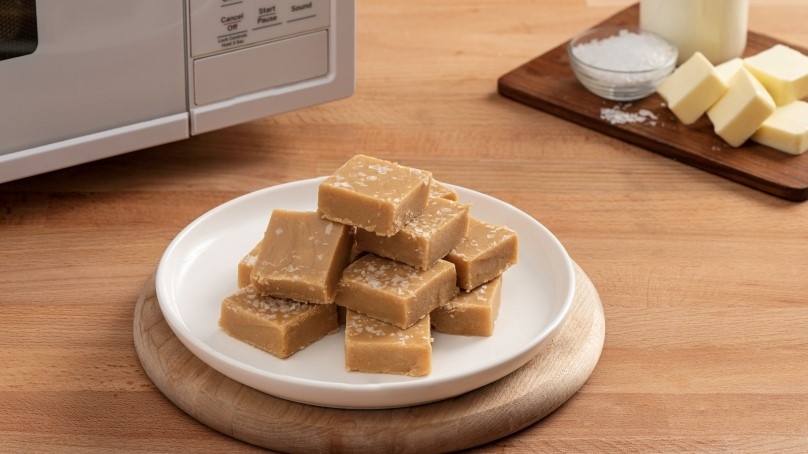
(377, 347)
(376, 195)
(438, 189)
(302, 257)
(471, 313)
(485, 252)
(246, 265)
(425, 239)
(278, 326)
(394, 292)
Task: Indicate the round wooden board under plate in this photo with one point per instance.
(471, 419)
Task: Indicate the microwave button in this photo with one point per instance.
(307, 11)
(270, 65)
(267, 17)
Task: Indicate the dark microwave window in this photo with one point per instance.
(18, 34)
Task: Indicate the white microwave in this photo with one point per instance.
(82, 80)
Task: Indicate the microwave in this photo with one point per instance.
(88, 79)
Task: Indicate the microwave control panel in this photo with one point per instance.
(222, 25)
(251, 56)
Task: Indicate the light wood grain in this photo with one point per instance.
(702, 280)
(474, 418)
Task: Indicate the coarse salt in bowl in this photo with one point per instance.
(621, 63)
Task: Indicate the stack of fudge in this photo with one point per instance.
(390, 252)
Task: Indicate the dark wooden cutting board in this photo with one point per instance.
(548, 83)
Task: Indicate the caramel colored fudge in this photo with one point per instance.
(486, 252)
(246, 265)
(426, 239)
(356, 252)
(471, 313)
(440, 190)
(302, 257)
(394, 292)
(278, 326)
(378, 347)
(376, 195)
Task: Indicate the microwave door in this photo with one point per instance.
(83, 77)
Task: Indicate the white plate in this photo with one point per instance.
(199, 269)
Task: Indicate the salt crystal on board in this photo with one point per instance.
(618, 115)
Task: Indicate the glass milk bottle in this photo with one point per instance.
(716, 28)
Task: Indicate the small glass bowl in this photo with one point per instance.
(621, 63)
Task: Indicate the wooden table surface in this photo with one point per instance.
(703, 281)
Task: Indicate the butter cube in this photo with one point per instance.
(786, 129)
(728, 69)
(783, 71)
(741, 111)
(692, 88)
